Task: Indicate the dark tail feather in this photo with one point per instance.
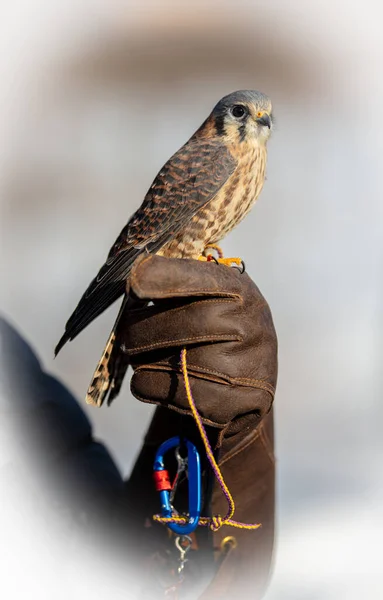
(87, 311)
(63, 340)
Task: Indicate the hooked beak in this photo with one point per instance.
(264, 120)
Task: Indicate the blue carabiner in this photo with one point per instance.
(194, 476)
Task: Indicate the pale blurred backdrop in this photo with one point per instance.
(95, 97)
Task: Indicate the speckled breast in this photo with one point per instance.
(232, 203)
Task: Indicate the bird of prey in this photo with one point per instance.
(199, 195)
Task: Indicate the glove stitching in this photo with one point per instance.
(181, 308)
(165, 367)
(266, 444)
(200, 291)
(133, 274)
(180, 292)
(254, 383)
(175, 408)
(146, 310)
(138, 288)
(218, 337)
(226, 377)
(235, 379)
(256, 435)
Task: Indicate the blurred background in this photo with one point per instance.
(95, 97)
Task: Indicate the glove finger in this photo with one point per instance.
(218, 403)
(156, 277)
(161, 326)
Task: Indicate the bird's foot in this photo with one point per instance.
(229, 262)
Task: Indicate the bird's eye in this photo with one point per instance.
(238, 111)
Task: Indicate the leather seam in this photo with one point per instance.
(218, 337)
(133, 274)
(229, 456)
(184, 308)
(267, 444)
(235, 380)
(175, 408)
(258, 384)
(184, 292)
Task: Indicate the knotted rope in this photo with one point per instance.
(215, 522)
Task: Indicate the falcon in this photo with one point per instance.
(202, 192)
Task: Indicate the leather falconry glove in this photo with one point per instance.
(222, 319)
(220, 316)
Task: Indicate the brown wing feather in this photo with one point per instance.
(190, 179)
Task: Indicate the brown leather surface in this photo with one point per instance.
(226, 324)
(221, 317)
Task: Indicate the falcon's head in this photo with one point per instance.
(245, 115)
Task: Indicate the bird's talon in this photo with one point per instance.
(211, 258)
(241, 267)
